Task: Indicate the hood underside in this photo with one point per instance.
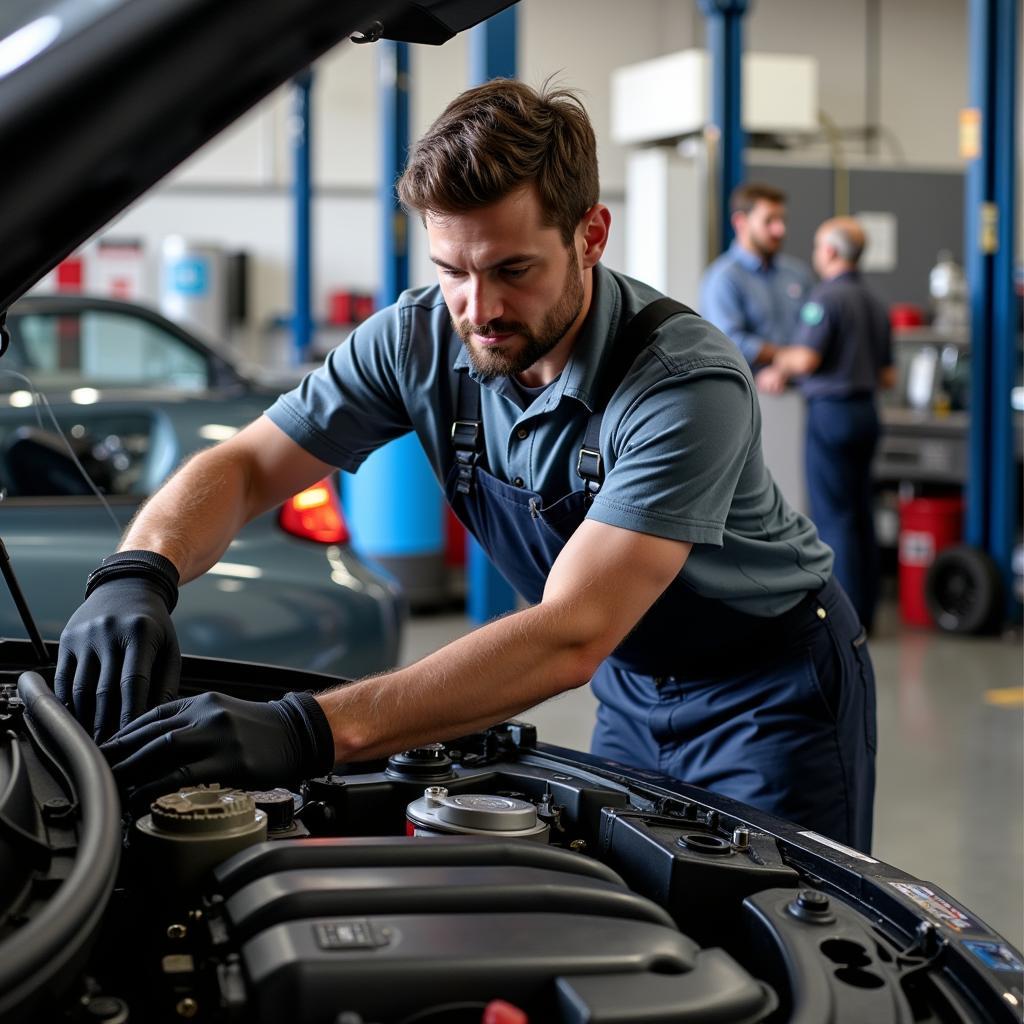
(99, 99)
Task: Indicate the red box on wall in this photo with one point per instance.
(345, 307)
(70, 274)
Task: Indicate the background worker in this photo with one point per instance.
(753, 291)
(842, 353)
(603, 445)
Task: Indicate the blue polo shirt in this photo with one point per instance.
(849, 328)
(755, 302)
(680, 439)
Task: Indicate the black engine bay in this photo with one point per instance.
(445, 884)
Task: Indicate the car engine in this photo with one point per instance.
(493, 878)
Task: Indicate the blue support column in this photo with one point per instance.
(1003, 515)
(978, 269)
(302, 316)
(990, 217)
(394, 504)
(393, 66)
(492, 48)
(492, 54)
(724, 20)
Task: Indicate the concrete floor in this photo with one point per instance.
(950, 799)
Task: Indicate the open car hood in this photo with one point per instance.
(99, 99)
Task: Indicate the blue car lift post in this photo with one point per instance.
(302, 316)
(990, 215)
(724, 23)
(492, 54)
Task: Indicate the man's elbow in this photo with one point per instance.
(579, 656)
(584, 665)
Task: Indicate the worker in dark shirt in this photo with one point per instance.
(842, 353)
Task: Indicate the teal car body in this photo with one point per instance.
(133, 395)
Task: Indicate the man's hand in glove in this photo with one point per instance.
(216, 738)
(119, 653)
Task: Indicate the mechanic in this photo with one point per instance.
(753, 292)
(842, 353)
(672, 574)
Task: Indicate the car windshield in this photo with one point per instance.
(100, 348)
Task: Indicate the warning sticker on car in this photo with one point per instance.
(938, 908)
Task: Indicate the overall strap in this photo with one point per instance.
(467, 431)
(631, 342)
(468, 427)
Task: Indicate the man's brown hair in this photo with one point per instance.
(497, 138)
(743, 197)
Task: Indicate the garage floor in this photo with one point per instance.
(950, 802)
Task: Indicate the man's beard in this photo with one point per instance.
(534, 344)
(767, 249)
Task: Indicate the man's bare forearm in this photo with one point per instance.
(493, 673)
(603, 581)
(193, 517)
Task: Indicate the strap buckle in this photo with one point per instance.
(590, 469)
(466, 441)
(466, 434)
(589, 465)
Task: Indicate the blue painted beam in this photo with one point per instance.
(493, 46)
(302, 314)
(724, 24)
(492, 54)
(1004, 510)
(393, 66)
(978, 269)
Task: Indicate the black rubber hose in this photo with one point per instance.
(46, 946)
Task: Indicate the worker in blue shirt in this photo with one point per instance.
(841, 354)
(601, 442)
(753, 292)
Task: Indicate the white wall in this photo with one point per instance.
(235, 191)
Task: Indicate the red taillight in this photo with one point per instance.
(315, 514)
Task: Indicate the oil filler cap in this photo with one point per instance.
(494, 813)
(189, 831)
(203, 810)
(442, 813)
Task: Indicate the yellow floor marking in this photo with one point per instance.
(1006, 697)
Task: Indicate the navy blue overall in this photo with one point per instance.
(776, 712)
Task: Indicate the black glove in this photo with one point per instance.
(119, 652)
(216, 738)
